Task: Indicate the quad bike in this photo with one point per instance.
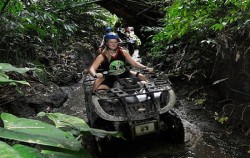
(134, 109)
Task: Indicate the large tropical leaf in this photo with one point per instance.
(6, 67)
(27, 152)
(34, 131)
(62, 120)
(7, 151)
(67, 154)
(3, 79)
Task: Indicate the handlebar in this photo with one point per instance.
(145, 71)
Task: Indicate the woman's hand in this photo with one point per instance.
(98, 75)
(148, 69)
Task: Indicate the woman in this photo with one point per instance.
(113, 59)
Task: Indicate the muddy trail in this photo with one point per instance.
(204, 137)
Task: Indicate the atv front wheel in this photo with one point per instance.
(173, 128)
(107, 146)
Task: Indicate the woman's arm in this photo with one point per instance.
(132, 61)
(98, 60)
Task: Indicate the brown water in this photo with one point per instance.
(198, 144)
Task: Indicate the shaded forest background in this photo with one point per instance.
(203, 46)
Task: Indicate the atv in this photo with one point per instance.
(135, 109)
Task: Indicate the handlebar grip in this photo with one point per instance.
(105, 73)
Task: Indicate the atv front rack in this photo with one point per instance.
(118, 104)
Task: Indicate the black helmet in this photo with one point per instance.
(111, 35)
(108, 29)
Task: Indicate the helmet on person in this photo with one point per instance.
(108, 29)
(111, 35)
(127, 29)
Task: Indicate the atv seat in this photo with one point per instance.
(129, 83)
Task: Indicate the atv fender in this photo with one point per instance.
(99, 110)
(171, 101)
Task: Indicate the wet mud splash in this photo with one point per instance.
(200, 142)
(205, 138)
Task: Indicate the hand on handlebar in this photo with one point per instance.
(98, 75)
(148, 69)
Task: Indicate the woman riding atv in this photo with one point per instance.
(113, 59)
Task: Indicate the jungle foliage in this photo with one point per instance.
(29, 26)
(41, 34)
(62, 139)
(196, 33)
(206, 45)
(37, 34)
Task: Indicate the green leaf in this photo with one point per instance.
(2, 74)
(6, 67)
(217, 26)
(5, 80)
(223, 119)
(67, 154)
(227, 2)
(34, 131)
(62, 120)
(66, 121)
(199, 101)
(29, 20)
(7, 151)
(27, 152)
(40, 139)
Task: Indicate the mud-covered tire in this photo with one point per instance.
(107, 146)
(88, 109)
(90, 145)
(167, 97)
(173, 128)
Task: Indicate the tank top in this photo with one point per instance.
(117, 63)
